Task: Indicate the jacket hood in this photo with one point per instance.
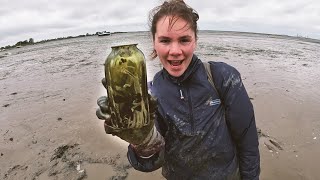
(193, 66)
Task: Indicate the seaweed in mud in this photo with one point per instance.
(60, 151)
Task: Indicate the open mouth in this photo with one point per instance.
(175, 63)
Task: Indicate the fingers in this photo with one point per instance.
(107, 122)
(102, 116)
(103, 112)
(103, 104)
(104, 82)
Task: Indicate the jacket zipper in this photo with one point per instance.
(190, 106)
(181, 94)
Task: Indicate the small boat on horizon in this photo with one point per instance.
(104, 33)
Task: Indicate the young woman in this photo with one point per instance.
(209, 133)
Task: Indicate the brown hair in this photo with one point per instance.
(177, 9)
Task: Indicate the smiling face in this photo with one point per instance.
(174, 43)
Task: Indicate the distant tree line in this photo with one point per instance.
(31, 41)
(24, 43)
(19, 44)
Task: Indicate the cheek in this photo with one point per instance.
(192, 48)
(161, 50)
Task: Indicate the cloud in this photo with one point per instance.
(43, 19)
(282, 17)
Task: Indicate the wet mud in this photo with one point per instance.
(48, 99)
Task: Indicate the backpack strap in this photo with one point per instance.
(210, 77)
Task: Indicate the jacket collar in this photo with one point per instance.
(193, 66)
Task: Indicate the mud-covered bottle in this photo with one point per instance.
(126, 78)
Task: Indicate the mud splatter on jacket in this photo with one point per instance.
(208, 135)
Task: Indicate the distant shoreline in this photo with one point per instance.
(306, 39)
(282, 36)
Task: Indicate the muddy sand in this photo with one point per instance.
(48, 98)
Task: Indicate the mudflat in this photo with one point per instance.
(48, 99)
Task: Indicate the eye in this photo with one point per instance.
(185, 40)
(165, 41)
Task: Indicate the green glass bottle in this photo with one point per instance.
(126, 78)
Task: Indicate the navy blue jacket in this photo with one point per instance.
(208, 134)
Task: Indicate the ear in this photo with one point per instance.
(154, 54)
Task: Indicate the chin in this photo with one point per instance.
(175, 73)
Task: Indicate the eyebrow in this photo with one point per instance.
(186, 36)
(182, 37)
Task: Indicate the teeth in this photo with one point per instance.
(176, 62)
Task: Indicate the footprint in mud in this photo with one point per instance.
(70, 162)
(270, 143)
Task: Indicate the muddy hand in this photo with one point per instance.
(103, 113)
(154, 141)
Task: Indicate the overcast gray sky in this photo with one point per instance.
(46, 19)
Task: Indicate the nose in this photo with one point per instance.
(175, 49)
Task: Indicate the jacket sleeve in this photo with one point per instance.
(240, 119)
(154, 162)
(146, 164)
